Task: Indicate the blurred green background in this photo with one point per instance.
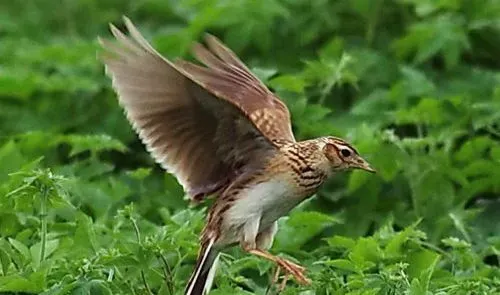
(414, 84)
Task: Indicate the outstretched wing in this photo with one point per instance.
(226, 76)
(204, 139)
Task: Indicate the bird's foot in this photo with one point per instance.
(290, 269)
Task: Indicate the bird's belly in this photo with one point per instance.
(264, 202)
(271, 214)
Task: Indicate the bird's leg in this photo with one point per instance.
(264, 241)
(274, 281)
(276, 275)
(283, 282)
(253, 242)
(289, 267)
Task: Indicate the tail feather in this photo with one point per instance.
(202, 277)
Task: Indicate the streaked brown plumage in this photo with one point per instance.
(220, 131)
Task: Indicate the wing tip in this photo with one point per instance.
(197, 49)
(128, 23)
(214, 43)
(209, 37)
(114, 30)
(126, 19)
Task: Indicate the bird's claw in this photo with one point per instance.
(293, 269)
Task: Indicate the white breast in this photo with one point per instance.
(265, 202)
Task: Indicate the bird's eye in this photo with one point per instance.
(345, 153)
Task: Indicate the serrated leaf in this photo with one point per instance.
(365, 253)
(93, 143)
(395, 245)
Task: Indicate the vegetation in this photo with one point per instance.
(415, 85)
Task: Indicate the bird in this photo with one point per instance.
(222, 133)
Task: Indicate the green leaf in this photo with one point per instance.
(289, 83)
(341, 242)
(366, 253)
(474, 148)
(459, 218)
(140, 173)
(33, 283)
(93, 143)
(93, 287)
(343, 264)
(395, 246)
(422, 265)
(357, 179)
(85, 238)
(443, 34)
(5, 261)
(21, 248)
(264, 74)
(456, 243)
(481, 167)
(11, 159)
(416, 288)
(300, 227)
(50, 247)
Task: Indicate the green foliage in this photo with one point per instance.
(415, 85)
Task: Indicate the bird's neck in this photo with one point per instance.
(308, 153)
(305, 162)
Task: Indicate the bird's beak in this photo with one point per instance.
(365, 166)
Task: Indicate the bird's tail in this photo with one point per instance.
(204, 272)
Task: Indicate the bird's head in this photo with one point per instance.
(343, 156)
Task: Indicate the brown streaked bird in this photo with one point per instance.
(220, 131)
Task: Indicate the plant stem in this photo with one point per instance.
(143, 276)
(43, 221)
(167, 272)
(138, 235)
(136, 229)
(373, 22)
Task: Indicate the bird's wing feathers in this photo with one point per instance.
(227, 77)
(203, 139)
